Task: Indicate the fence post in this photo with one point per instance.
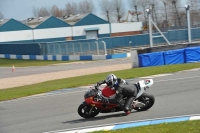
(97, 48)
(80, 47)
(187, 7)
(88, 46)
(48, 49)
(105, 50)
(67, 52)
(54, 50)
(73, 48)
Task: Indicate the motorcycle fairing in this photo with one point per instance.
(100, 105)
(143, 86)
(108, 92)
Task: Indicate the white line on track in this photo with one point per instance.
(64, 130)
(178, 79)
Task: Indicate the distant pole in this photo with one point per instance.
(150, 27)
(187, 7)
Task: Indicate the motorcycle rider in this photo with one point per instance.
(123, 89)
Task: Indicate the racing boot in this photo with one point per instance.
(128, 105)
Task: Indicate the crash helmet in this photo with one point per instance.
(111, 80)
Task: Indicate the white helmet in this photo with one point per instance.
(111, 80)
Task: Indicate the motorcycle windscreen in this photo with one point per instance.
(89, 93)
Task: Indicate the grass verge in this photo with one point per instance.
(179, 127)
(17, 92)
(25, 63)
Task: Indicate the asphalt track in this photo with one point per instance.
(5, 72)
(176, 94)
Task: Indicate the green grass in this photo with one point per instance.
(179, 127)
(25, 63)
(17, 92)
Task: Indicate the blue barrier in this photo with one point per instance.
(151, 59)
(178, 56)
(174, 56)
(192, 54)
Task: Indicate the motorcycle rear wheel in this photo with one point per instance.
(87, 111)
(147, 99)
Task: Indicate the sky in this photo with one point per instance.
(23, 9)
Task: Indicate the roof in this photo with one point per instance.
(72, 19)
(34, 22)
(3, 21)
(12, 25)
(45, 22)
(94, 20)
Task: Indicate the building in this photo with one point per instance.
(48, 29)
(12, 30)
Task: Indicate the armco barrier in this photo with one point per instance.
(178, 56)
(64, 57)
(167, 47)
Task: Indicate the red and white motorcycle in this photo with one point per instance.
(93, 104)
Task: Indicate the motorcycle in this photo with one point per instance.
(93, 104)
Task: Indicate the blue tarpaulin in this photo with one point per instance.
(151, 59)
(174, 56)
(192, 54)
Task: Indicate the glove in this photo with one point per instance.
(102, 98)
(96, 87)
(101, 82)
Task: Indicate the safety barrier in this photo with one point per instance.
(178, 56)
(64, 57)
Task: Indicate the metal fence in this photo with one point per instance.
(90, 47)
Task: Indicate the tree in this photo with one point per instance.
(155, 5)
(173, 12)
(68, 9)
(105, 8)
(118, 9)
(55, 11)
(194, 11)
(134, 5)
(41, 12)
(71, 9)
(86, 6)
(143, 4)
(1, 16)
(74, 8)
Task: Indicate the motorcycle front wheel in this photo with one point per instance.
(147, 99)
(87, 111)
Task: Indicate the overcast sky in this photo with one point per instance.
(23, 9)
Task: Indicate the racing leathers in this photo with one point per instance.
(123, 89)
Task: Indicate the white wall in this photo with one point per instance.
(16, 35)
(126, 27)
(79, 30)
(52, 33)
